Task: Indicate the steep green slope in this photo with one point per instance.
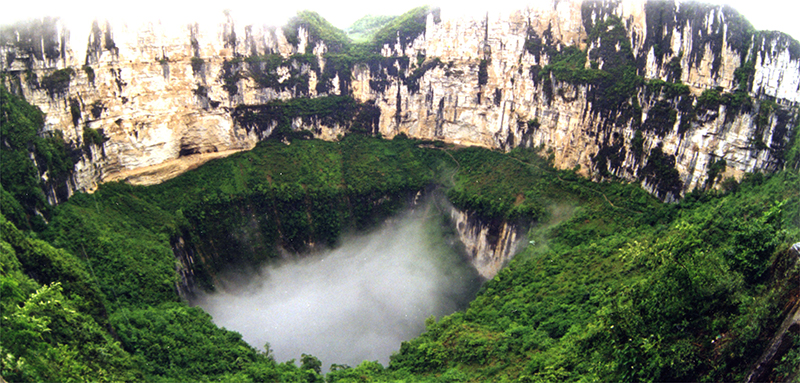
(294, 196)
(613, 286)
(53, 325)
(22, 195)
(616, 299)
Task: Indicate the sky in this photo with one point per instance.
(763, 14)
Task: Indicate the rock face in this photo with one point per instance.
(490, 245)
(664, 91)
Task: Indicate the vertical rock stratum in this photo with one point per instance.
(675, 96)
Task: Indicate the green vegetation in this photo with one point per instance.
(483, 72)
(231, 74)
(744, 76)
(57, 83)
(614, 285)
(669, 90)
(59, 331)
(569, 66)
(31, 78)
(766, 110)
(674, 69)
(497, 187)
(792, 155)
(93, 136)
(197, 65)
(75, 110)
(661, 118)
(21, 129)
(277, 116)
(612, 278)
(89, 73)
(710, 99)
(318, 30)
(406, 27)
(365, 28)
(168, 338)
(412, 81)
(47, 334)
(118, 266)
(715, 170)
(131, 266)
(637, 144)
(633, 293)
(342, 55)
(614, 84)
(660, 173)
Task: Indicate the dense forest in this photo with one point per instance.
(614, 284)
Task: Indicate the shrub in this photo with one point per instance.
(75, 110)
(197, 65)
(89, 73)
(93, 136)
(57, 83)
(483, 72)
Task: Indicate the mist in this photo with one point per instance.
(356, 302)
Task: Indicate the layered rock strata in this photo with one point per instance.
(165, 94)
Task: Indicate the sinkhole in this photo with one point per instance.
(358, 301)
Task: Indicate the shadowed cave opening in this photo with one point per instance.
(356, 302)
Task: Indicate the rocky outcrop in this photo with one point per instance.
(454, 105)
(165, 94)
(489, 244)
(783, 339)
(184, 268)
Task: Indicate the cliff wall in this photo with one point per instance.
(655, 92)
(489, 245)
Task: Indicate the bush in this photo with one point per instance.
(57, 83)
(197, 66)
(89, 73)
(75, 110)
(709, 100)
(93, 136)
(483, 72)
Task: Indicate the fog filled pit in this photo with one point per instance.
(356, 302)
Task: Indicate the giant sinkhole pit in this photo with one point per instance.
(355, 302)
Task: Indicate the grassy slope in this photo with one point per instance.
(117, 242)
(615, 285)
(669, 292)
(603, 255)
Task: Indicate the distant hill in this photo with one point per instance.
(364, 28)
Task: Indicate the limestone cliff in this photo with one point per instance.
(654, 92)
(489, 245)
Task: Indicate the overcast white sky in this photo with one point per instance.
(763, 14)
